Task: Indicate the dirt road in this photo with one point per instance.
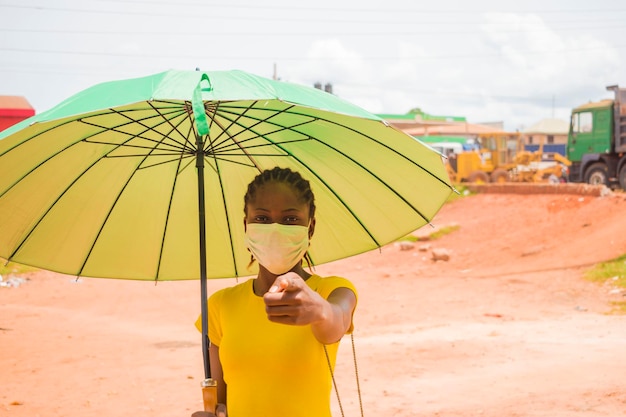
(507, 327)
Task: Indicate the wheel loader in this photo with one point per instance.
(501, 157)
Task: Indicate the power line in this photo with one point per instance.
(326, 18)
(326, 33)
(339, 85)
(455, 93)
(298, 8)
(160, 54)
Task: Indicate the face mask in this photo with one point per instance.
(277, 247)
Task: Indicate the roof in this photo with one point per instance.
(451, 129)
(595, 104)
(438, 139)
(15, 106)
(419, 115)
(549, 127)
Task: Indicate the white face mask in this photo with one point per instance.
(278, 247)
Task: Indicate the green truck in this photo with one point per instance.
(596, 143)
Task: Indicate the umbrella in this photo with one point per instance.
(144, 178)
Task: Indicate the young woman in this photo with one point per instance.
(274, 338)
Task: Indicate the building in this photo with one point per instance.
(419, 124)
(549, 133)
(14, 109)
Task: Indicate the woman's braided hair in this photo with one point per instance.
(301, 186)
(285, 176)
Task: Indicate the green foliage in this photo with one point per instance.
(435, 235)
(13, 268)
(443, 231)
(619, 307)
(615, 270)
(463, 191)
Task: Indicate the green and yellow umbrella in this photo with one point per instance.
(144, 178)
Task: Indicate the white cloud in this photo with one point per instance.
(450, 58)
(329, 60)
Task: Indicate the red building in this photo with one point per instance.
(14, 109)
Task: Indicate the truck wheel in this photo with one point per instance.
(479, 177)
(622, 177)
(500, 176)
(597, 174)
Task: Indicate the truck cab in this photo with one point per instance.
(597, 141)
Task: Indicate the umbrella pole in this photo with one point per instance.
(209, 385)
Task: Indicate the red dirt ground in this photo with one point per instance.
(507, 327)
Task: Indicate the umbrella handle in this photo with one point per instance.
(209, 394)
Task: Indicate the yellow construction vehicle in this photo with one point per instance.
(501, 157)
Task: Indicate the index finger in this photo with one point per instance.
(284, 283)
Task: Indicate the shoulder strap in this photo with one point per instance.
(356, 374)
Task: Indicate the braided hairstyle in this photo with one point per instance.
(298, 184)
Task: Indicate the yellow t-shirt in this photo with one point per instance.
(270, 369)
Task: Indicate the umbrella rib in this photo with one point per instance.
(289, 110)
(287, 153)
(175, 111)
(415, 209)
(180, 156)
(235, 121)
(220, 146)
(344, 155)
(167, 217)
(329, 188)
(174, 150)
(122, 189)
(227, 216)
(85, 140)
(380, 180)
(373, 140)
(150, 149)
(35, 224)
(137, 155)
(187, 111)
(186, 146)
(219, 150)
(217, 171)
(44, 214)
(139, 135)
(65, 122)
(242, 163)
(50, 157)
(169, 207)
(43, 132)
(237, 144)
(400, 196)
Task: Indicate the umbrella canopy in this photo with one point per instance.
(144, 178)
(105, 184)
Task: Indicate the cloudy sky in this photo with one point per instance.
(488, 60)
